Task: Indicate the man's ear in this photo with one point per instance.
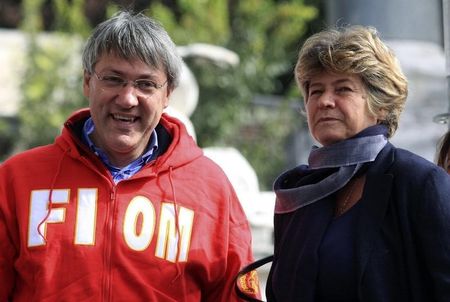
(167, 98)
(86, 83)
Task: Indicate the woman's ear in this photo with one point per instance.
(381, 116)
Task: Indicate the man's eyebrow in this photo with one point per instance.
(143, 76)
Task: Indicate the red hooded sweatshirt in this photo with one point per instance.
(175, 231)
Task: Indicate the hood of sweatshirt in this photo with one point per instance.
(176, 146)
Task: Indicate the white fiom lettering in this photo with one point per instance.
(139, 241)
(86, 217)
(167, 244)
(37, 227)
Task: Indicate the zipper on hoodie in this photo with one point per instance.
(110, 209)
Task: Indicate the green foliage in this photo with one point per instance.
(8, 130)
(51, 87)
(70, 17)
(32, 19)
(195, 21)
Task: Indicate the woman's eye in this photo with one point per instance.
(344, 89)
(315, 92)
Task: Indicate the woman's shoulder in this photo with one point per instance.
(409, 164)
(407, 158)
(413, 176)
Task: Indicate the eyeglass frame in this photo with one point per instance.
(124, 83)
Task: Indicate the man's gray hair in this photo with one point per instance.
(134, 35)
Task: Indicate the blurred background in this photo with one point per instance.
(238, 95)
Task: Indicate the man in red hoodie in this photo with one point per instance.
(123, 206)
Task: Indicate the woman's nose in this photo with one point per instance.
(326, 99)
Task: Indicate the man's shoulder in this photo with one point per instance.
(208, 163)
(36, 154)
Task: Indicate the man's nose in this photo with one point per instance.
(128, 95)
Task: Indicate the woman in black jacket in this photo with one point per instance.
(364, 220)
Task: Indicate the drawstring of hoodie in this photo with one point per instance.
(177, 226)
(176, 211)
(50, 195)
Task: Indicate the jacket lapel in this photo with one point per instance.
(375, 201)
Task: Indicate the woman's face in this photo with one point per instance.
(336, 107)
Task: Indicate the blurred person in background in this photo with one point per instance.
(443, 152)
(363, 220)
(123, 206)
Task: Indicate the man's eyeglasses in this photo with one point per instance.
(114, 83)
